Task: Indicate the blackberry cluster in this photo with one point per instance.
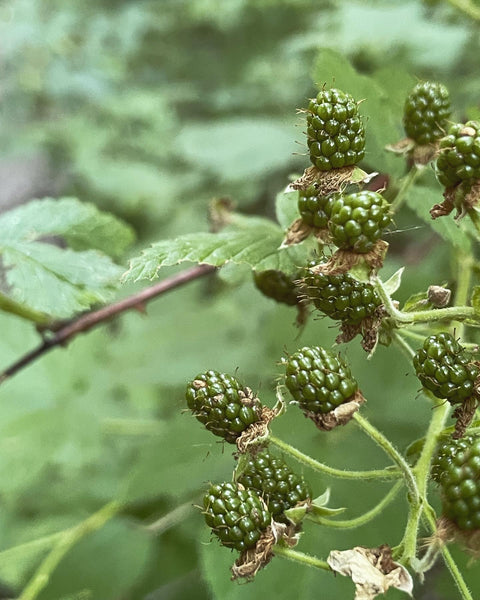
(341, 297)
(272, 478)
(456, 468)
(236, 515)
(336, 136)
(318, 380)
(278, 285)
(459, 158)
(315, 208)
(426, 111)
(357, 220)
(445, 368)
(220, 402)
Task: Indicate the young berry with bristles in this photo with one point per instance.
(426, 112)
(336, 136)
(237, 516)
(222, 404)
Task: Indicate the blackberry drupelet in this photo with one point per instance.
(319, 380)
(272, 478)
(219, 402)
(336, 136)
(236, 515)
(426, 111)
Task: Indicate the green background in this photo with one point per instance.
(149, 110)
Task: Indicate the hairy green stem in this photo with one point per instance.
(457, 313)
(422, 475)
(70, 537)
(392, 452)
(406, 184)
(171, 519)
(301, 557)
(435, 428)
(452, 566)
(362, 519)
(322, 468)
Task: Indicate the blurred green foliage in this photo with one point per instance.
(149, 109)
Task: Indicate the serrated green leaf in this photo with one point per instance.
(475, 299)
(257, 243)
(81, 224)
(46, 280)
(417, 302)
(393, 284)
(286, 207)
(421, 199)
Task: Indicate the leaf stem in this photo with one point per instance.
(362, 519)
(406, 183)
(301, 557)
(322, 468)
(457, 313)
(392, 452)
(71, 536)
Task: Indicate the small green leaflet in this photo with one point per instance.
(252, 240)
(421, 199)
(46, 280)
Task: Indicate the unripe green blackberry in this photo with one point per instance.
(314, 208)
(459, 158)
(236, 515)
(341, 297)
(426, 111)
(456, 468)
(357, 220)
(273, 479)
(278, 285)
(319, 380)
(222, 404)
(445, 368)
(336, 136)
